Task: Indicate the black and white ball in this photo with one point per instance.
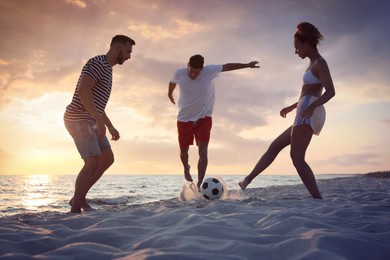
(212, 189)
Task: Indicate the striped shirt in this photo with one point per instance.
(100, 71)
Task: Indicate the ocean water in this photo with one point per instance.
(41, 193)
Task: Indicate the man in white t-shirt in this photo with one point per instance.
(196, 102)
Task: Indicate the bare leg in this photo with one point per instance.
(83, 180)
(300, 140)
(106, 160)
(268, 157)
(202, 163)
(184, 160)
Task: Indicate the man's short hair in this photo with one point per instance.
(196, 61)
(122, 39)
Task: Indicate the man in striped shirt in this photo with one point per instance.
(86, 120)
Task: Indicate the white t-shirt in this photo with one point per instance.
(197, 95)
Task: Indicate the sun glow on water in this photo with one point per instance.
(36, 191)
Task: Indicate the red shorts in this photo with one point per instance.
(199, 129)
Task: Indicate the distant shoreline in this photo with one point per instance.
(379, 174)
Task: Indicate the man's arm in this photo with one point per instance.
(114, 133)
(85, 93)
(171, 88)
(237, 66)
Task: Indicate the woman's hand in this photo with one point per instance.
(308, 112)
(286, 110)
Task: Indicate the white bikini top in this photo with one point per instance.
(309, 77)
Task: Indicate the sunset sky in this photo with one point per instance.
(45, 43)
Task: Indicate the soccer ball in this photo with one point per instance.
(212, 189)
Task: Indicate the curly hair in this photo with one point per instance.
(307, 32)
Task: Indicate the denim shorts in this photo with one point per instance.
(85, 137)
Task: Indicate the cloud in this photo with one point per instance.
(181, 28)
(348, 160)
(78, 3)
(4, 62)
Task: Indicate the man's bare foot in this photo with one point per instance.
(243, 184)
(187, 174)
(85, 206)
(192, 186)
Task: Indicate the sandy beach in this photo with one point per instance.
(283, 222)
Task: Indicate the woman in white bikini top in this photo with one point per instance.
(309, 78)
(312, 85)
(310, 112)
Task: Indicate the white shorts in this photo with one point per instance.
(316, 121)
